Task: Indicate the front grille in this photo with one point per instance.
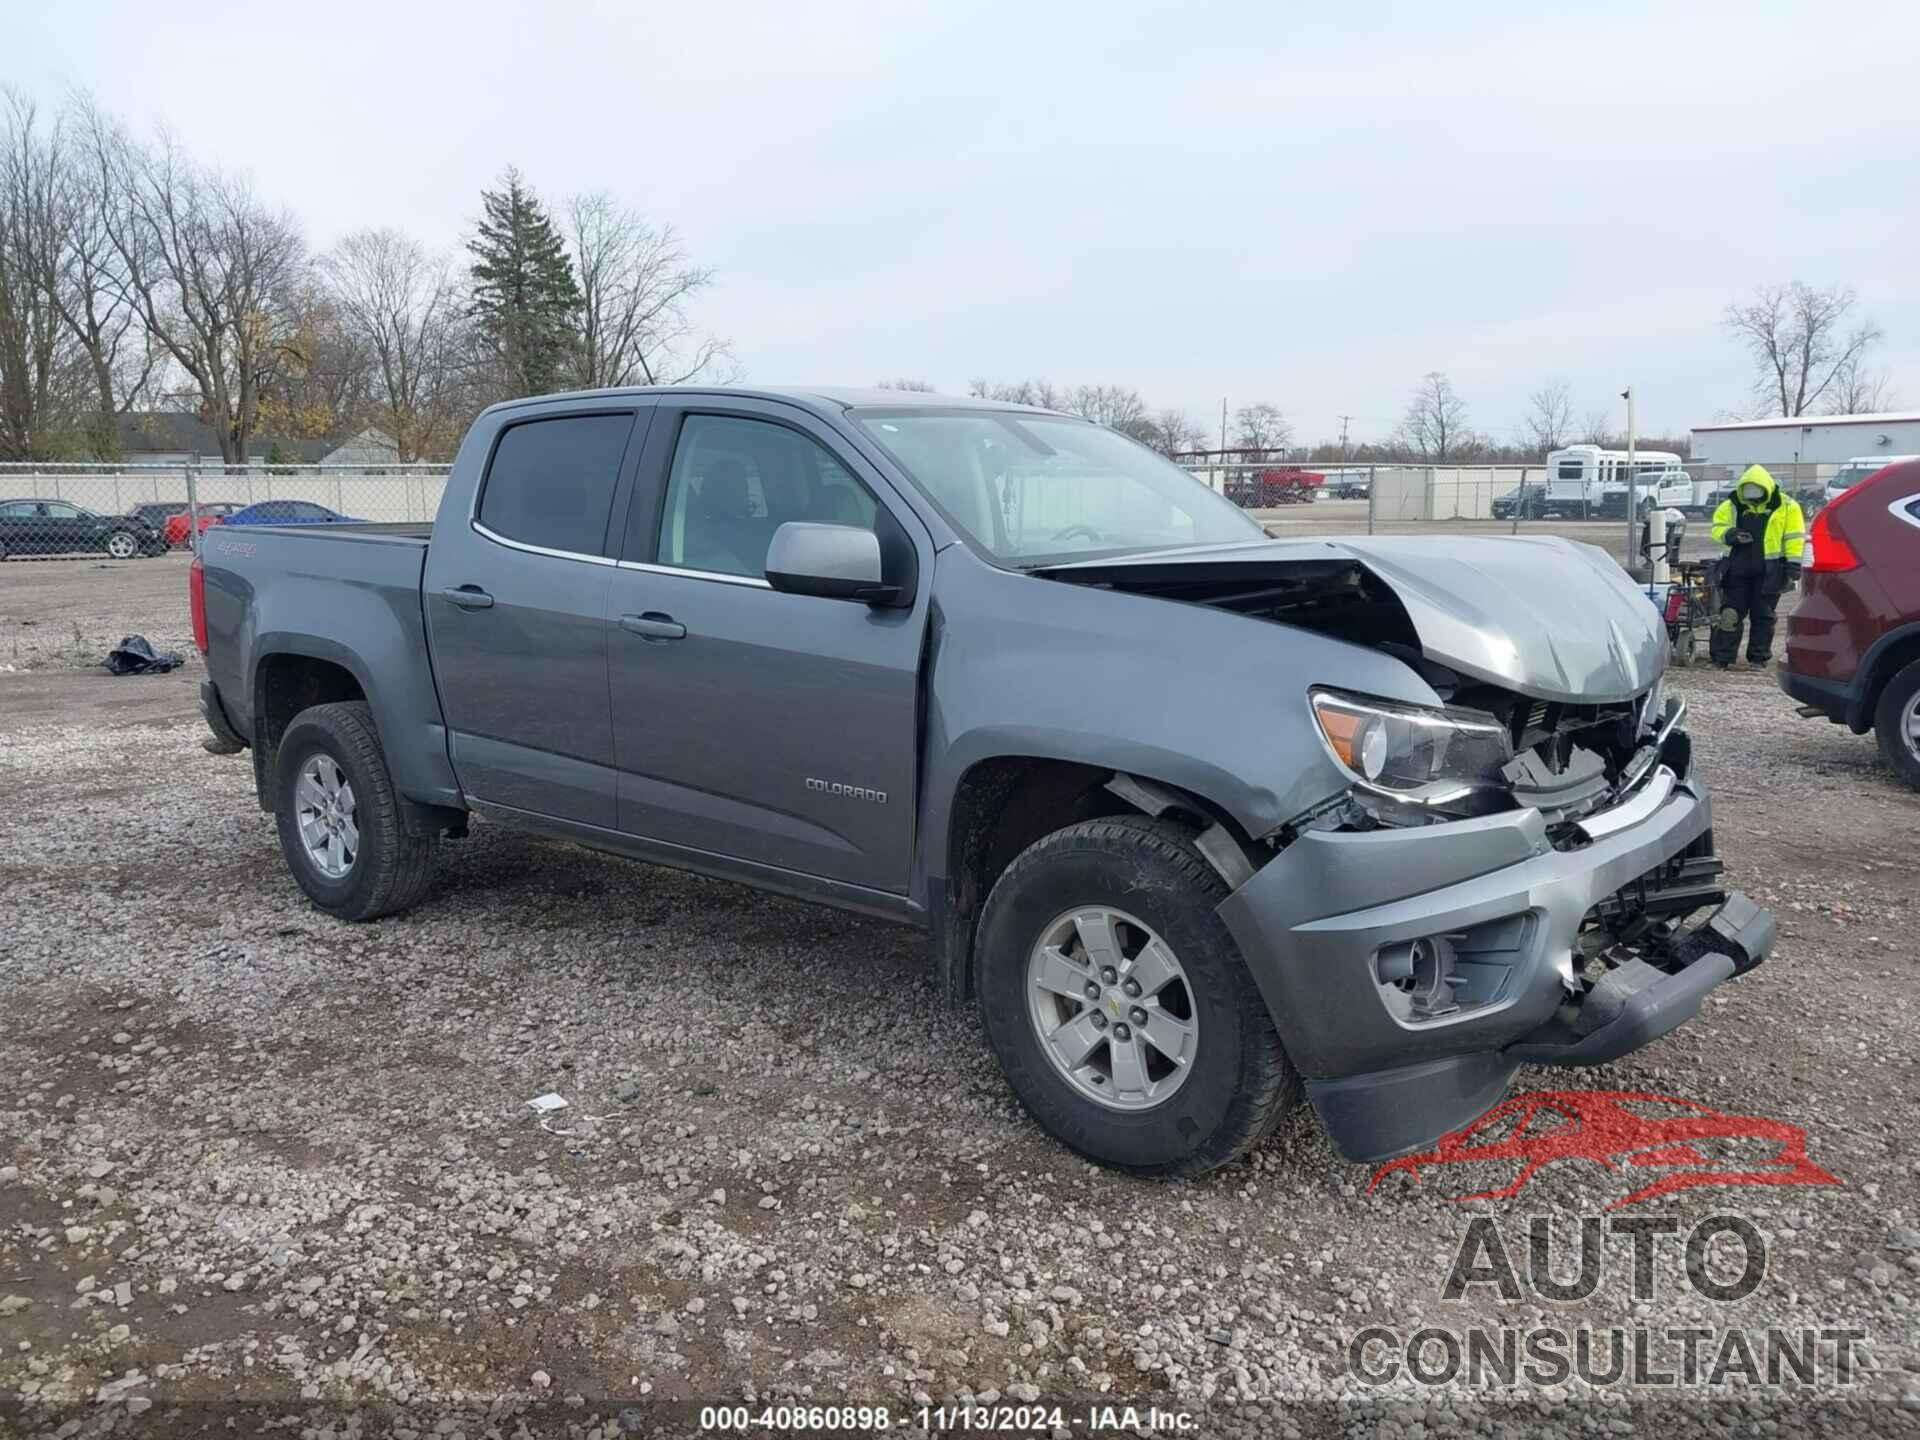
(1673, 889)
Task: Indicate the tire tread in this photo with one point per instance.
(403, 864)
(1270, 1085)
(1895, 695)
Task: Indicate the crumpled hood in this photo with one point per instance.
(1543, 616)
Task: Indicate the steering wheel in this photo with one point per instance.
(1072, 530)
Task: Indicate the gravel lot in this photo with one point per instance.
(250, 1157)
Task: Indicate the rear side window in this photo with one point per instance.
(551, 482)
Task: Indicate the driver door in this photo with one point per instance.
(773, 729)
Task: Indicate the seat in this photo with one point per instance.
(721, 527)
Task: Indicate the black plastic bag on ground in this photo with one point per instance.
(135, 655)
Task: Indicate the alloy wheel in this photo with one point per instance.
(329, 826)
(1112, 1008)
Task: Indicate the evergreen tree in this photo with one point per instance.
(524, 292)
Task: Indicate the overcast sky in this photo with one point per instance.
(1312, 205)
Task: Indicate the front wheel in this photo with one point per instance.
(1896, 723)
(123, 545)
(1119, 1006)
(339, 818)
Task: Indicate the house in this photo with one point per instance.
(368, 447)
(174, 437)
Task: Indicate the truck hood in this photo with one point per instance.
(1540, 616)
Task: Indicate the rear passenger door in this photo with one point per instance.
(516, 603)
(770, 728)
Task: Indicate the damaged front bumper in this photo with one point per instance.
(1411, 971)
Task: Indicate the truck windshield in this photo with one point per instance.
(1032, 489)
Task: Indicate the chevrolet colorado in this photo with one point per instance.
(1198, 818)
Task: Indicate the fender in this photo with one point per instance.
(1869, 682)
(387, 642)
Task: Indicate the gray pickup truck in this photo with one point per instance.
(1197, 817)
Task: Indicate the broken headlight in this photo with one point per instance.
(1417, 754)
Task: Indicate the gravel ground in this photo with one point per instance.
(64, 614)
(257, 1167)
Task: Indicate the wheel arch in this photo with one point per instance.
(1885, 658)
(287, 681)
(1003, 803)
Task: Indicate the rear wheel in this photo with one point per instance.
(1896, 724)
(1118, 1004)
(339, 818)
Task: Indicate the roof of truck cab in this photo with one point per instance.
(818, 397)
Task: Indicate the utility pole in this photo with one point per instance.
(1223, 445)
(1632, 486)
(1344, 419)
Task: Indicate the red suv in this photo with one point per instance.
(1853, 643)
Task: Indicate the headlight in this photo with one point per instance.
(1420, 754)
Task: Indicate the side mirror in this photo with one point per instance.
(833, 562)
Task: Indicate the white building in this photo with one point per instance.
(1806, 439)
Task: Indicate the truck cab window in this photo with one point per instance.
(735, 481)
(551, 482)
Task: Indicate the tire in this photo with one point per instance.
(385, 869)
(1686, 646)
(1896, 723)
(122, 545)
(1237, 1082)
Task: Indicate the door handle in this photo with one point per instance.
(468, 597)
(653, 626)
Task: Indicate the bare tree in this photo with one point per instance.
(1549, 418)
(1799, 341)
(1118, 407)
(1043, 393)
(635, 284)
(1435, 425)
(209, 268)
(35, 348)
(1856, 391)
(1597, 428)
(1174, 432)
(57, 244)
(402, 305)
(1262, 428)
(918, 387)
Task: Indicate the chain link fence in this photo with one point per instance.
(134, 512)
(1414, 499)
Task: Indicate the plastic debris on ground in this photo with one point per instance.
(135, 655)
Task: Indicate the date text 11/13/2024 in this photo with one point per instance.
(944, 1419)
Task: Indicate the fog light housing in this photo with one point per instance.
(1423, 971)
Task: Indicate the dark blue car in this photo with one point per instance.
(289, 512)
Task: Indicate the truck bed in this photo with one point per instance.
(393, 529)
(347, 594)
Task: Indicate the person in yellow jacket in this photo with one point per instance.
(1765, 534)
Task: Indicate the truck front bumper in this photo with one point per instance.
(1507, 908)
